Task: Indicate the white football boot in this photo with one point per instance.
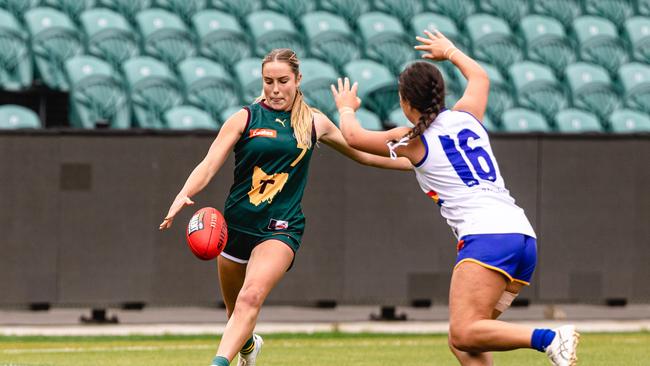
(562, 351)
(249, 359)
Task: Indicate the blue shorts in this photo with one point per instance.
(513, 255)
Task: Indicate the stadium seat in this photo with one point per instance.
(109, 36)
(350, 10)
(492, 40)
(19, 7)
(501, 96)
(563, 10)
(54, 40)
(317, 76)
(97, 96)
(249, 76)
(629, 121)
(523, 120)
(614, 10)
(637, 30)
(397, 118)
(573, 120)
(537, 88)
(432, 22)
(456, 10)
(165, 36)
(273, 30)
(404, 10)
(330, 38)
(546, 42)
(153, 89)
(238, 8)
(128, 8)
(294, 9)
(73, 8)
(15, 60)
(185, 9)
(15, 116)
(385, 40)
(187, 117)
(643, 7)
(635, 82)
(599, 42)
(221, 37)
(509, 10)
(208, 85)
(591, 88)
(377, 86)
(366, 118)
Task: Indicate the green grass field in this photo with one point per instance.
(296, 349)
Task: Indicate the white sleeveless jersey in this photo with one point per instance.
(459, 172)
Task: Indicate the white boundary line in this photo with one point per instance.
(268, 328)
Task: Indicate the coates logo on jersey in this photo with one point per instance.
(263, 132)
(278, 224)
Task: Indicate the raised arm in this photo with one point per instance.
(228, 136)
(373, 142)
(475, 97)
(330, 135)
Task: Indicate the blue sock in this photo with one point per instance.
(220, 361)
(541, 339)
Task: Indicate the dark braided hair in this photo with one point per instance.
(422, 86)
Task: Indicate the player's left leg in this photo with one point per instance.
(485, 358)
(268, 263)
(474, 293)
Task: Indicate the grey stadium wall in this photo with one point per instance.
(79, 217)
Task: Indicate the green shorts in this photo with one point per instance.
(240, 245)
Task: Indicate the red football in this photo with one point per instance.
(207, 233)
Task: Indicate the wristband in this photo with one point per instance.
(346, 110)
(452, 53)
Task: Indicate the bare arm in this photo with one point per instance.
(331, 136)
(373, 142)
(475, 97)
(228, 136)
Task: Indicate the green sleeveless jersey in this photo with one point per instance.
(270, 175)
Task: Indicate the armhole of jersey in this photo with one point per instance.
(248, 118)
(476, 119)
(426, 152)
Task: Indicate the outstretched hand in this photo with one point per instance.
(176, 207)
(346, 96)
(437, 46)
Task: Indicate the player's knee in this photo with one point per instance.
(250, 297)
(460, 338)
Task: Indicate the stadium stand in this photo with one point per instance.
(153, 89)
(54, 40)
(208, 85)
(220, 37)
(385, 40)
(587, 58)
(109, 36)
(16, 70)
(97, 95)
(330, 38)
(165, 36)
(273, 30)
